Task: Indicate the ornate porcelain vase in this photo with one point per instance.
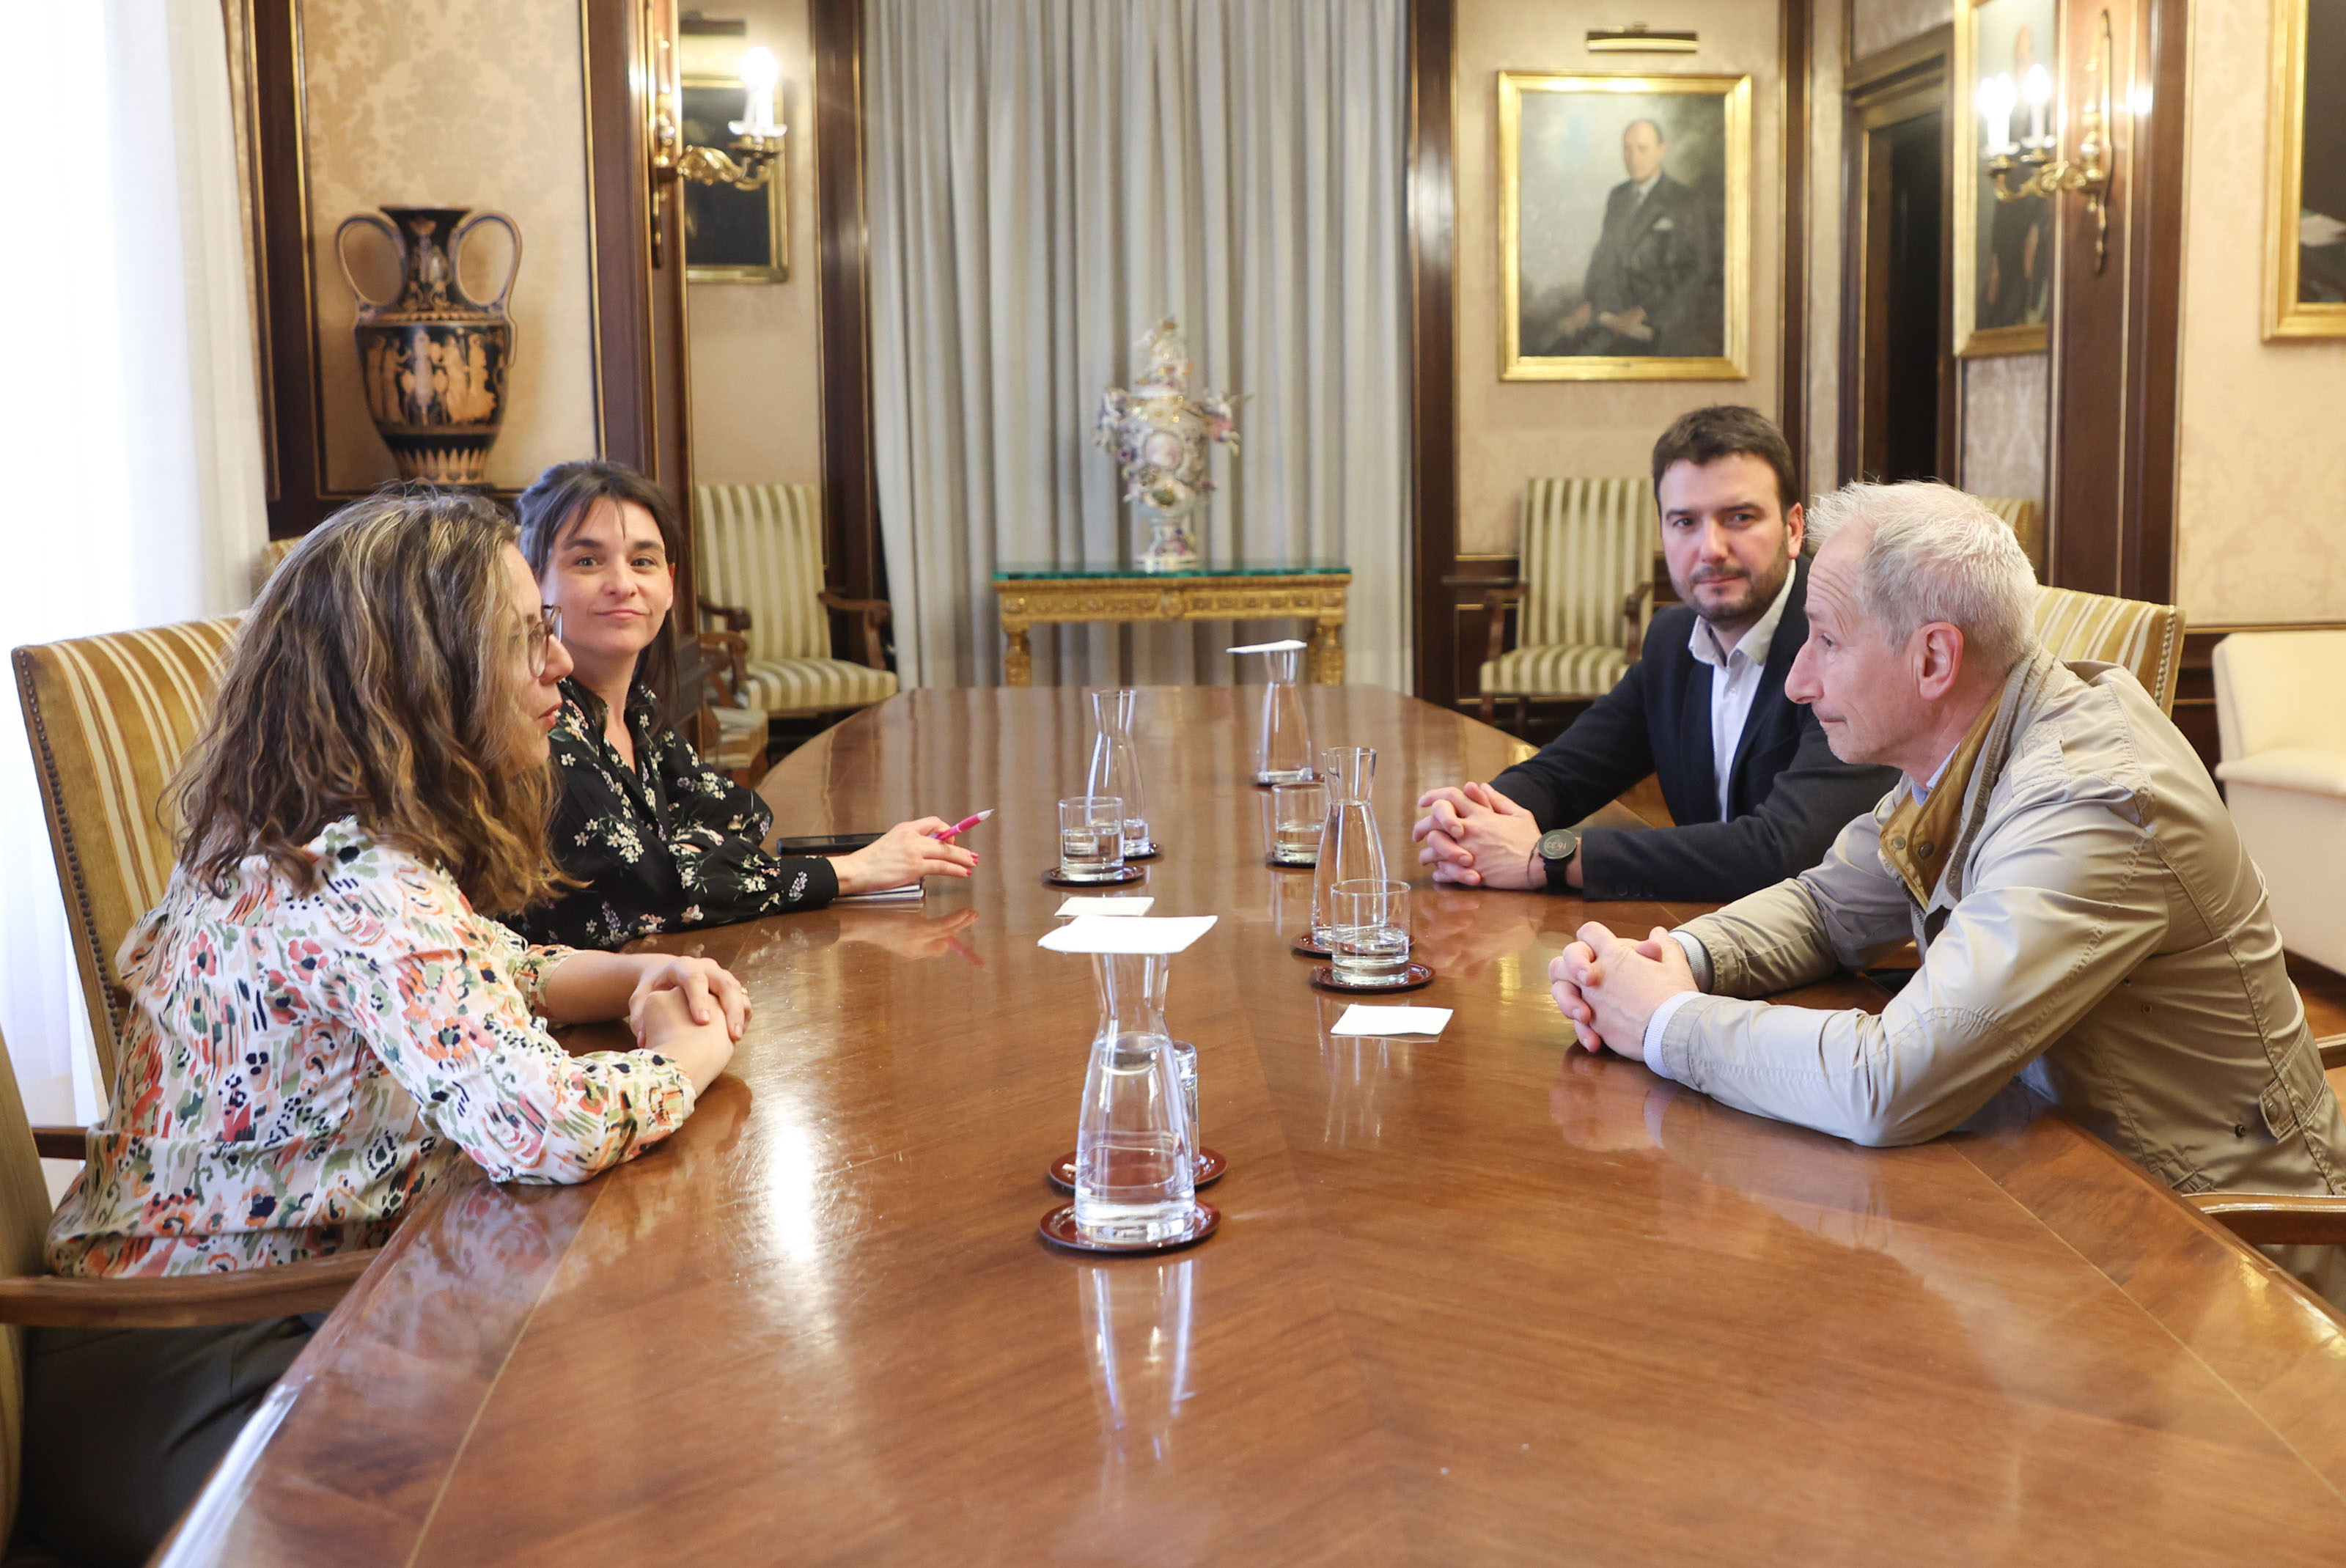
(1159, 435)
(433, 361)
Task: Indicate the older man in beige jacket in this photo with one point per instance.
(2087, 919)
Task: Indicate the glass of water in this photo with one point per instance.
(1091, 837)
(1370, 939)
(1297, 813)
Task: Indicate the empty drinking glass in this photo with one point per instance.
(1349, 845)
(1296, 815)
(1116, 765)
(1283, 753)
(1135, 1161)
(1091, 837)
(1370, 942)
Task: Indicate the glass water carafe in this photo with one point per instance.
(1134, 1170)
(1350, 846)
(1116, 765)
(1284, 751)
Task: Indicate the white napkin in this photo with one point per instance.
(1268, 647)
(1362, 1020)
(1071, 908)
(1095, 933)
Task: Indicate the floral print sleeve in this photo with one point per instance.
(667, 845)
(298, 1069)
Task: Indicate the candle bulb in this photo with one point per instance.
(1995, 99)
(2037, 88)
(760, 73)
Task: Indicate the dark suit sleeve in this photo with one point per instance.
(1813, 797)
(1606, 750)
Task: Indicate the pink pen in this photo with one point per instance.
(964, 825)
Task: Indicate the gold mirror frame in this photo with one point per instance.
(778, 211)
(1972, 340)
(1736, 238)
(2286, 315)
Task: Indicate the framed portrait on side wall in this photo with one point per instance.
(730, 236)
(2305, 199)
(1625, 227)
(2006, 51)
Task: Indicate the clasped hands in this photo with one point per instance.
(1609, 986)
(1477, 838)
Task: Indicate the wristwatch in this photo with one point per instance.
(1556, 848)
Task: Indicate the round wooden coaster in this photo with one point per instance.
(1211, 1167)
(1058, 1227)
(1150, 853)
(1303, 946)
(1129, 874)
(1276, 864)
(1323, 976)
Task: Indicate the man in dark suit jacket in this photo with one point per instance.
(1653, 284)
(1756, 793)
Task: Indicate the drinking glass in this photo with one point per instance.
(1297, 815)
(1370, 942)
(1283, 752)
(1349, 845)
(1115, 764)
(1091, 837)
(1134, 1171)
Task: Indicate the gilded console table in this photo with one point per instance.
(1063, 595)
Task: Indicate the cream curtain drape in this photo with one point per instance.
(1047, 179)
(135, 489)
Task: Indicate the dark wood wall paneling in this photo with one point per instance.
(1434, 347)
(850, 487)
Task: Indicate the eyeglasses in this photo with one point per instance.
(544, 633)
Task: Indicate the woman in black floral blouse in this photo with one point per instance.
(661, 840)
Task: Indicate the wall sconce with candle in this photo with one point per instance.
(2027, 165)
(753, 156)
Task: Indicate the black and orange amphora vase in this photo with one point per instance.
(434, 360)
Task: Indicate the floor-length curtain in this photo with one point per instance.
(135, 490)
(1047, 179)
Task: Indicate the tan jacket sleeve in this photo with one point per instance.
(2066, 900)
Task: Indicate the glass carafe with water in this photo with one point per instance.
(1134, 1168)
(1349, 845)
(1283, 750)
(1116, 765)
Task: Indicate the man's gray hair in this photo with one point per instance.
(1934, 553)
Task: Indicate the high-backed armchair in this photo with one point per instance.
(760, 559)
(2026, 521)
(109, 718)
(2283, 737)
(1585, 591)
(2145, 637)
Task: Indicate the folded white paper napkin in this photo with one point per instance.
(1268, 647)
(1071, 908)
(1098, 933)
(1362, 1020)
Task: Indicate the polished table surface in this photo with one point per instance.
(1478, 1298)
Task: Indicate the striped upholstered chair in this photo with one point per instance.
(2145, 637)
(109, 718)
(1585, 592)
(761, 568)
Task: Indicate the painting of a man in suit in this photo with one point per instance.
(1624, 208)
(1652, 286)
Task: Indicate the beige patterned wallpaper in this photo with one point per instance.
(1878, 24)
(2260, 535)
(440, 102)
(1510, 431)
(2006, 411)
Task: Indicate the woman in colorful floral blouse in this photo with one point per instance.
(659, 839)
(320, 1024)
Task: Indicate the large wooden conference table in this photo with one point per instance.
(1476, 1298)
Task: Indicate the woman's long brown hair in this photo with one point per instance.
(375, 679)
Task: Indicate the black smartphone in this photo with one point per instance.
(825, 844)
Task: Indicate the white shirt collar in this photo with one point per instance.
(1703, 643)
(1644, 187)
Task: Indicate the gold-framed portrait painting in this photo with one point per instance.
(2002, 250)
(1625, 227)
(730, 236)
(2305, 199)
